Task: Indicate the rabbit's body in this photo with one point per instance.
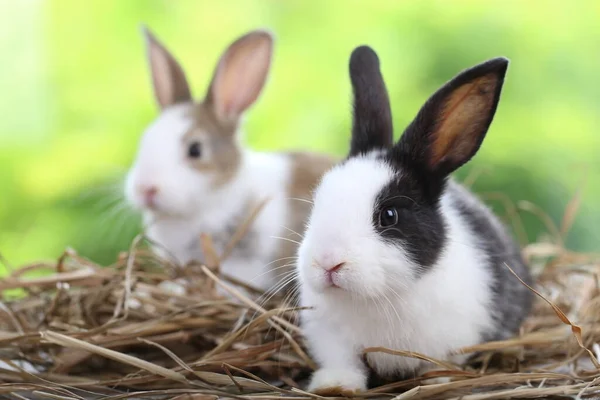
(261, 176)
(193, 176)
(455, 295)
(256, 258)
(398, 255)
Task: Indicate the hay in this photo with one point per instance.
(145, 329)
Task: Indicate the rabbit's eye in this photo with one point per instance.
(388, 217)
(195, 150)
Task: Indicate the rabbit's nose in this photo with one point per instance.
(334, 268)
(331, 274)
(329, 260)
(149, 194)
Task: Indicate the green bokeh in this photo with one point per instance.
(76, 97)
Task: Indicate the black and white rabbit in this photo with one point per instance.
(396, 253)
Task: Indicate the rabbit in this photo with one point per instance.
(193, 175)
(398, 254)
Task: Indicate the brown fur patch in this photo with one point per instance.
(462, 117)
(219, 140)
(307, 170)
(223, 163)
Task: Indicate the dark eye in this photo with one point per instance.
(388, 217)
(195, 150)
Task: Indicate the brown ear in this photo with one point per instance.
(241, 74)
(168, 78)
(451, 126)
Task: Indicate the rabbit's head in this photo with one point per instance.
(377, 223)
(191, 153)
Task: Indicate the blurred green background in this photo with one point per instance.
(76, 96)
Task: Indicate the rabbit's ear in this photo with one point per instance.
(240, 75)
(450, 127)
(168, 78)
(372, 117)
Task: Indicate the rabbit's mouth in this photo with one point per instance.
(157, 211)
(150, 204)
(155, 204)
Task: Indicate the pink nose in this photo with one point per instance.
(331, 272)
(150, 195)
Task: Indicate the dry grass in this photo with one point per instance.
(144, 329)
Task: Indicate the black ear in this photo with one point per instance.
(372, 120)
(450, 127)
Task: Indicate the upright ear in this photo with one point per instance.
(372, 117)
(241, 74)
(450, 127)
(168, 78)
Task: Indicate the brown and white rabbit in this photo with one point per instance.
(193, 175)
(396, 253)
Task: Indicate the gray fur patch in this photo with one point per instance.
(511, 300)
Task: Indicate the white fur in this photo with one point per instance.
(187, 204)
(336, 378)
(379, 301)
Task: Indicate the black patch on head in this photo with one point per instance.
(511, 300)
(420, 230)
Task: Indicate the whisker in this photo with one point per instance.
(291, 295)
(284, 284)
(278, 286)
(268, 295)
(281, 259)
(276, 289)
(274, 269)
(114, 211)
(106, 203)
(285, 274)
(393, 307)
(294, 232)
(287, 239)
(299, 199)
(378, 305)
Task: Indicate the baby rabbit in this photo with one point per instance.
(396, 253)
(192, 175)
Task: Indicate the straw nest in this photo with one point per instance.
(145, 329)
